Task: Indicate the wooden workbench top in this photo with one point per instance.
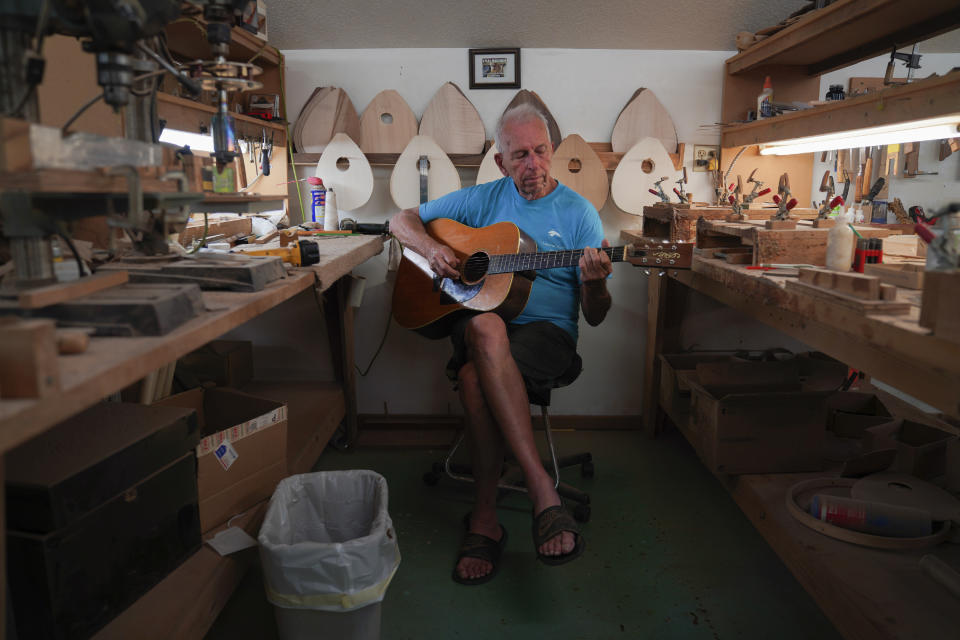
(892, 348)
(110, 364)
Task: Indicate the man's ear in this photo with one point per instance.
(498, 158)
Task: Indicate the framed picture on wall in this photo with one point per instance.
(494, 68)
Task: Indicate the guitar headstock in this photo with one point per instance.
(659, 254)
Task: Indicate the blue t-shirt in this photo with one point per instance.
(562, 220)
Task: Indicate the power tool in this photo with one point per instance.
(300, 254)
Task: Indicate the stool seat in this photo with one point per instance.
(539, 392)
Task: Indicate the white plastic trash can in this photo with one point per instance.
(329, 551)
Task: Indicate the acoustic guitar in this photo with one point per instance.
(498, 264)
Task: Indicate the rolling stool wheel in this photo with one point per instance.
(581, 513)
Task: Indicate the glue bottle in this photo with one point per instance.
(318, 199)
(877, 518)
(331, 219)
(840, 243)
(765, 100)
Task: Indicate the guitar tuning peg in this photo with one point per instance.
(646, 272)
(661, 274)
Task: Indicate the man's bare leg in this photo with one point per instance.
(487, 448)
(506, 399)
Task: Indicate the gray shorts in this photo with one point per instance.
(542, 350)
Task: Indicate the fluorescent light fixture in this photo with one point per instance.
(196, 141)
(914, 131)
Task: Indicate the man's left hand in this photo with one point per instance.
(595, 264)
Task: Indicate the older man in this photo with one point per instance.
(491, 357)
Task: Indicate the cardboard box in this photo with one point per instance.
(921, 448)
(743, 430)
(314, 410)
(850, 413)
(242, 453)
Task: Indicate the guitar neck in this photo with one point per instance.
(509, 262)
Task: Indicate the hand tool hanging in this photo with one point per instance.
(424, 165)
(266, 152)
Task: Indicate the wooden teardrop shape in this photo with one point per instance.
(387, 124)
(442, 176)
(525, 96)
(643, 117)
(577, 165)
(344, 167)
(453, 122)
(645, 163)
(489, 171)
(328, 112)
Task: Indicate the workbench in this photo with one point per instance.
(866, 593)
(112, 363)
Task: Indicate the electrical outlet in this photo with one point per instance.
(706, 157)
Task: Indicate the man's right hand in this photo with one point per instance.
(443, 260)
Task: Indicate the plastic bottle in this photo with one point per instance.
(840, 243)
(765, 100)
(877, 518)
(318, 199)
(331, 221)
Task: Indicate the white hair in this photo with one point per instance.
(520, 113)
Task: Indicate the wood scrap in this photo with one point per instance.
(857, 285)
(72, 341)
(64, 291)
(906, 275)
(28, 358)
(858, 305)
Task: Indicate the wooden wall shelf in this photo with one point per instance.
(604, 151)
(848, 31)
(187, 39)
(184, 114)
(927, 98)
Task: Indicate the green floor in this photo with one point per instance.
(669, 555)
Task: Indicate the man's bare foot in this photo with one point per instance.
(473, 568)
(562, 543)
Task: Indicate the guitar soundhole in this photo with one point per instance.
(475, 267)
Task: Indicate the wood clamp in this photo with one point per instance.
(828, 187)
(659, 191)
(681, 192)
(783, 199)
(755, 192)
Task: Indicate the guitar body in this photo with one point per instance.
(429, 306)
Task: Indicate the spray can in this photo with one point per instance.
(876, 518)
(318, 199)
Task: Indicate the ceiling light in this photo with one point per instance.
(915, 131)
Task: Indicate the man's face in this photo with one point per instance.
(527, 157)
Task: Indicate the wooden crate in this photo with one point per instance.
(675, 370)
(749, 431)
(849, 413)
(921, 448)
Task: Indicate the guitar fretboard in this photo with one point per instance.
(509, 262)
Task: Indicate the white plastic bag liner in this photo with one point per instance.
(327, 542)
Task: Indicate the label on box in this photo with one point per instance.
(226, 454)
(241, 431)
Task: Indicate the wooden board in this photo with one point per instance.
(908, 276)
(28, 358)
(525, 96)
(65, 291)
(856, 304)
(489, 171)
(857, 285)
(643, 117)
(186, 603)
(453, 122)
(588, 178)
(328, 112)
(645, 163)
(405, 179)
(344, 167)
(387, 124)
